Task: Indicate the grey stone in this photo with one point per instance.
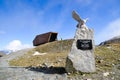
(78, 59)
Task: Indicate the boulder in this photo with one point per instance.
(81, 57)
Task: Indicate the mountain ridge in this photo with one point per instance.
(115, 39)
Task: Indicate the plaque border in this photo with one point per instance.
(80, 40)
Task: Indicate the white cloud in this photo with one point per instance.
(112, 30)
(17, 45)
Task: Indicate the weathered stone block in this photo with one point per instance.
(81, 57)
(78, 59)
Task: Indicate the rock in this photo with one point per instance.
(59, 60)
(100, 61)
(45, 65)
(68, 73)
(2, 54)
(88, 79)
(109, 47)
(81, 56)
(118, 59)
(81, 60)
(106, 74)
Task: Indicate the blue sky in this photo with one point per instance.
(22, 20)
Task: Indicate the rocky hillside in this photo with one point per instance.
(113, 40)
(51, 58)
(2, 54)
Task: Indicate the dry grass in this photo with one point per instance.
(49, 59)
(107, 59)
(56, 55)
(55, 47)
(105, 56)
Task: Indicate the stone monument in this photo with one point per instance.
(81, 57)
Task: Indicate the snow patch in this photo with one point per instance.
(38, 53)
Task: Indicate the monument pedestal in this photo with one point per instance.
(81, 57)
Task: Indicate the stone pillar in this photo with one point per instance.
(81, 57)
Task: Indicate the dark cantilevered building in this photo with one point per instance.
(45, 38)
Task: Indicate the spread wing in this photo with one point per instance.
(77, 17)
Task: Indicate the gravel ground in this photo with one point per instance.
(21, 73)
(4, 60)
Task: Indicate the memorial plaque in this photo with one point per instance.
(84, 44)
